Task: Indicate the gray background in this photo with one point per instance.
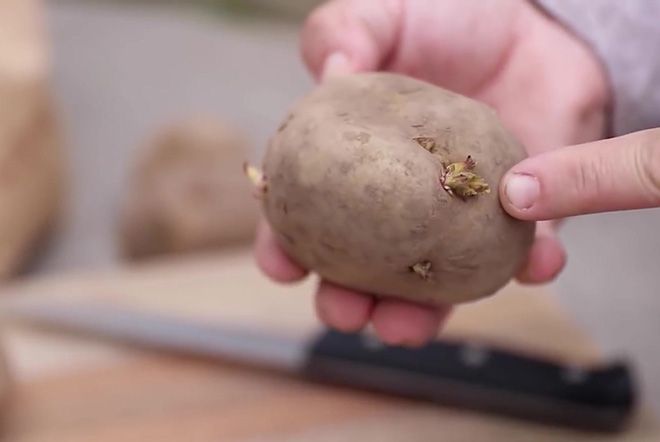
(122, 71)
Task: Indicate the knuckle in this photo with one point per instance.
(324, 18)
(589, 177)
(319, 32)
(307, 35)
(315, 20)
(647, 163)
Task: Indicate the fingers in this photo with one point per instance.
(404, 323)
(272, 260)
(336, 64)
(395, 322)
(343, 309)
(350, 35)
(547, 256)
(615, 174)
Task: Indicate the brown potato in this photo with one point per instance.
(368, 183)
(187, 192)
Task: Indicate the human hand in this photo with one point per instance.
(547, 87)
(615, 174)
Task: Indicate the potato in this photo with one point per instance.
(371, 182)
(187, 193)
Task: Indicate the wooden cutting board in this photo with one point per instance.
(71, 389)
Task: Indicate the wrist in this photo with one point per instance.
(588, 87)
(575, 76)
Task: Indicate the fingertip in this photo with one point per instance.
(406, 324)
(335, 65)
(519, 192)
(545, 262)
(343, 309)
(272, 260)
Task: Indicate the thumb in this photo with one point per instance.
(350, 35)
(615, 174)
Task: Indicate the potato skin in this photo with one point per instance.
(352, 196)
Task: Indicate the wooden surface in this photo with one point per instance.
(29, 155)
(29, 152)
(71, 389)
(5, 380)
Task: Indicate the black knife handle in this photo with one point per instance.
(481, 378)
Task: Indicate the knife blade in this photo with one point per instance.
(468, 375)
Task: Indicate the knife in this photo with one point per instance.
(467, 375)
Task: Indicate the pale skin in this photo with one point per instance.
(549, 90)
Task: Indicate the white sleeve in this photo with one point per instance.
(625, 35)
